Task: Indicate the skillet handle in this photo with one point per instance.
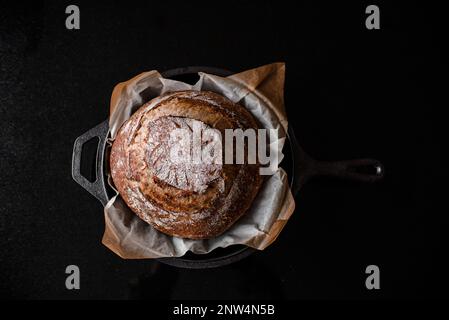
(97, 187)
(363, 170)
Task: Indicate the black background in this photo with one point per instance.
(350, 92)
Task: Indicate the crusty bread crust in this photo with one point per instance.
(182, 212)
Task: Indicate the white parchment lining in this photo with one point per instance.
(260, 90)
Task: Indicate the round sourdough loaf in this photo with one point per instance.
(195, 200)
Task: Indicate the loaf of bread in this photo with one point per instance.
(187, 200)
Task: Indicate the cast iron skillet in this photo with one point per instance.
(298, 165)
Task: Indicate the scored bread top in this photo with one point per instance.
(187, 200)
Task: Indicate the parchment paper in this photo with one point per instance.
(260, 90)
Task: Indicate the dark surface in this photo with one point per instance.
(350, 93)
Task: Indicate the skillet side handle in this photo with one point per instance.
(96, 188)
(363, 170)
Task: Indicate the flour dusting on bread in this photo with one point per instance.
(196, 201)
